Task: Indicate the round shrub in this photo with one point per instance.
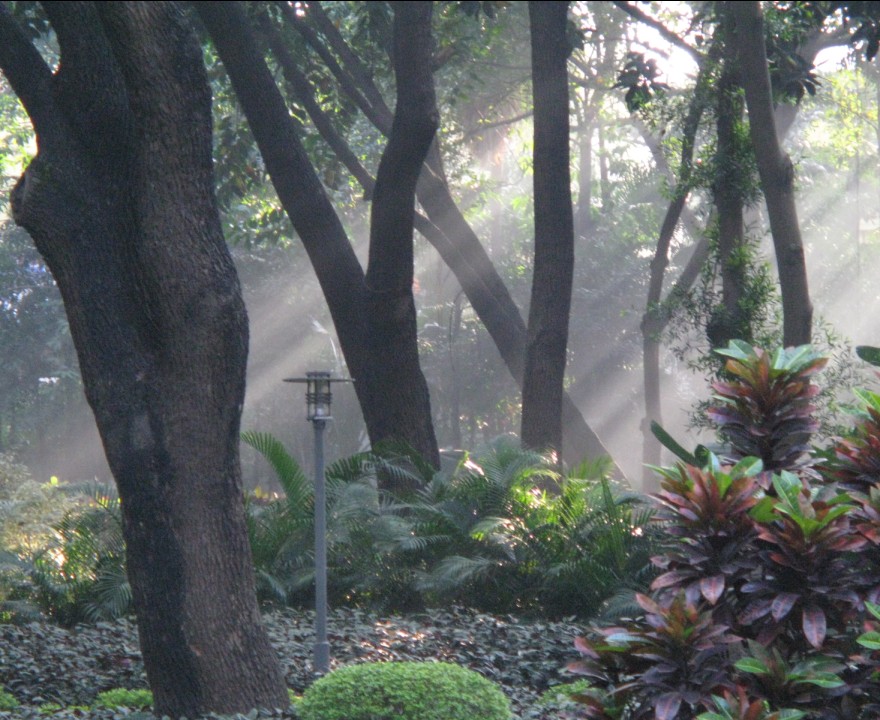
(404, 691)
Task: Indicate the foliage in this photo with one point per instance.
(80, 576)
(764, 410)
(404, 691)
(489, 534)
(7, 701)
(125, 698)
(507, 545)
(767, 576)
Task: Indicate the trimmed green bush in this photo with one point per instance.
(404, 691)
(124, 698)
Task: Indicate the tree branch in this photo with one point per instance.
(28, 75)
(305, 94)
(667, 34)
(380, 116)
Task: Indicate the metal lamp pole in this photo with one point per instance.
(318, 400)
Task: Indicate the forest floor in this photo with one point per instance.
(41, 663)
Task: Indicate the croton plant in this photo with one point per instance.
(766, 605)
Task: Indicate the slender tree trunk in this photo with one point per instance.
(583, 215)
(550, 305)
(654, 319)
(120, 203)
(729, 322)
(776, 171)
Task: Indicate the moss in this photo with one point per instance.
(404, 691)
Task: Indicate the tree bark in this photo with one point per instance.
(729, 322)
(776, 171)
(119, 201)
(389, 280)
(550, 305)
(303, 197)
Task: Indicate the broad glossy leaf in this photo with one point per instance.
(712, 588)
(815, 625)
(667, 706)
(870, 640)
(752, 665)
(782, 605)
(869, 354)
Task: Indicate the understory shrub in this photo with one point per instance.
(485, 535)
(404, 691)
(61, 552)
(765, 608)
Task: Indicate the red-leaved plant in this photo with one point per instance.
(771, 565)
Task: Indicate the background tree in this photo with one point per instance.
(554, 230)
(119, 201)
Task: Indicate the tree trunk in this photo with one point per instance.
(550, 305)
(120, 203)
(729, 322)
(303, 197)
(451, 235)
(655, 319)
(776, 171)
(389, 280)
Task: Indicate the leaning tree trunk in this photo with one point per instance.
(776, 171)
(120, 203)
(554, 231)
(336, 266)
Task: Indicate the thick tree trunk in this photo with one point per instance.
(120, 203)
(303, 197)
(389, 280)
(550, 305)
(776, 171)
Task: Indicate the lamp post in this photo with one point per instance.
(318, 399)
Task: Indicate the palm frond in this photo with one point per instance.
(296, 486)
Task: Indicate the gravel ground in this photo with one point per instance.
(41, 663)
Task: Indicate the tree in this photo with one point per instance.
(119, 201)
(376, 330)
(776, 171)
(554, 230)
(444, 226)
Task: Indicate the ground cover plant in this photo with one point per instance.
(766, 604)
(42, 663)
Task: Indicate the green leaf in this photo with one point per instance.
(738, 350)
(747, 467)
(870, 640)
(752, 665)
(869, 354)
(670, 444)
